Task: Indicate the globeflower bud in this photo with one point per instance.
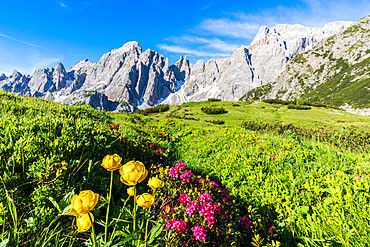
(84, 202)
(112, 162)
(145, 200)
(154, 183)
(131, 191)
(84, 223)
(133, 172)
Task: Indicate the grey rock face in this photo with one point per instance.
(127, 76)
(41, 82)
(3, 77)
(124, 79)
(130, 75)
(16, 83)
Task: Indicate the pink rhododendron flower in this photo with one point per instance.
(226, 199)
(179, 226)
(208, 212)
(173, 172)
(180, 165)
(109, 126)
(151, 145)
(169, 223)
(271, 228)
(186, 176)
(191, 208)
(184, 198)
(199, 233)
(205, 197)
(156, 151)
(201, 180)
(213, 183)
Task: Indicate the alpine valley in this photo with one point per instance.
(328, 64)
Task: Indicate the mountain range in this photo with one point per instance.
(129, 78)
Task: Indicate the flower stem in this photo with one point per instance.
(106, 217)
(134, 226)
(93, 230)
(141, 228)
(146, 226)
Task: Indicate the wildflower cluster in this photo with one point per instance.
(132, 173)
(199, 211)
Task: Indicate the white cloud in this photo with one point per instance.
(228, 28)
(188, 51)
(205, 43)
(63, 5)
(21, 41)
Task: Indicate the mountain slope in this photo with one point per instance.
(335, 72)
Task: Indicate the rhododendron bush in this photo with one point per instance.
(197, 211)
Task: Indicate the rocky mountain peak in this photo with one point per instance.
(3, 76)
(60, 68)
(16, 74)
(128, 47)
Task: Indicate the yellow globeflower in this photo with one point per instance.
(145, 200)
(131, 191)
(84, 202)
(154, 183)
(133, 172)
(112, 162)
(83, 223)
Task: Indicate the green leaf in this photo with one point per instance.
(156, 231)
(56, 205)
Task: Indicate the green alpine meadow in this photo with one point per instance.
(210, 173)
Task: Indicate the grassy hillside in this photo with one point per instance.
(295, 189)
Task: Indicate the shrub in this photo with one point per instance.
(215, 121)
(155, 109)
(182, 117)
(279, 101)
(213, 110)
(213, 100)
(196, 211)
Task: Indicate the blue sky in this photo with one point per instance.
(41, 33)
